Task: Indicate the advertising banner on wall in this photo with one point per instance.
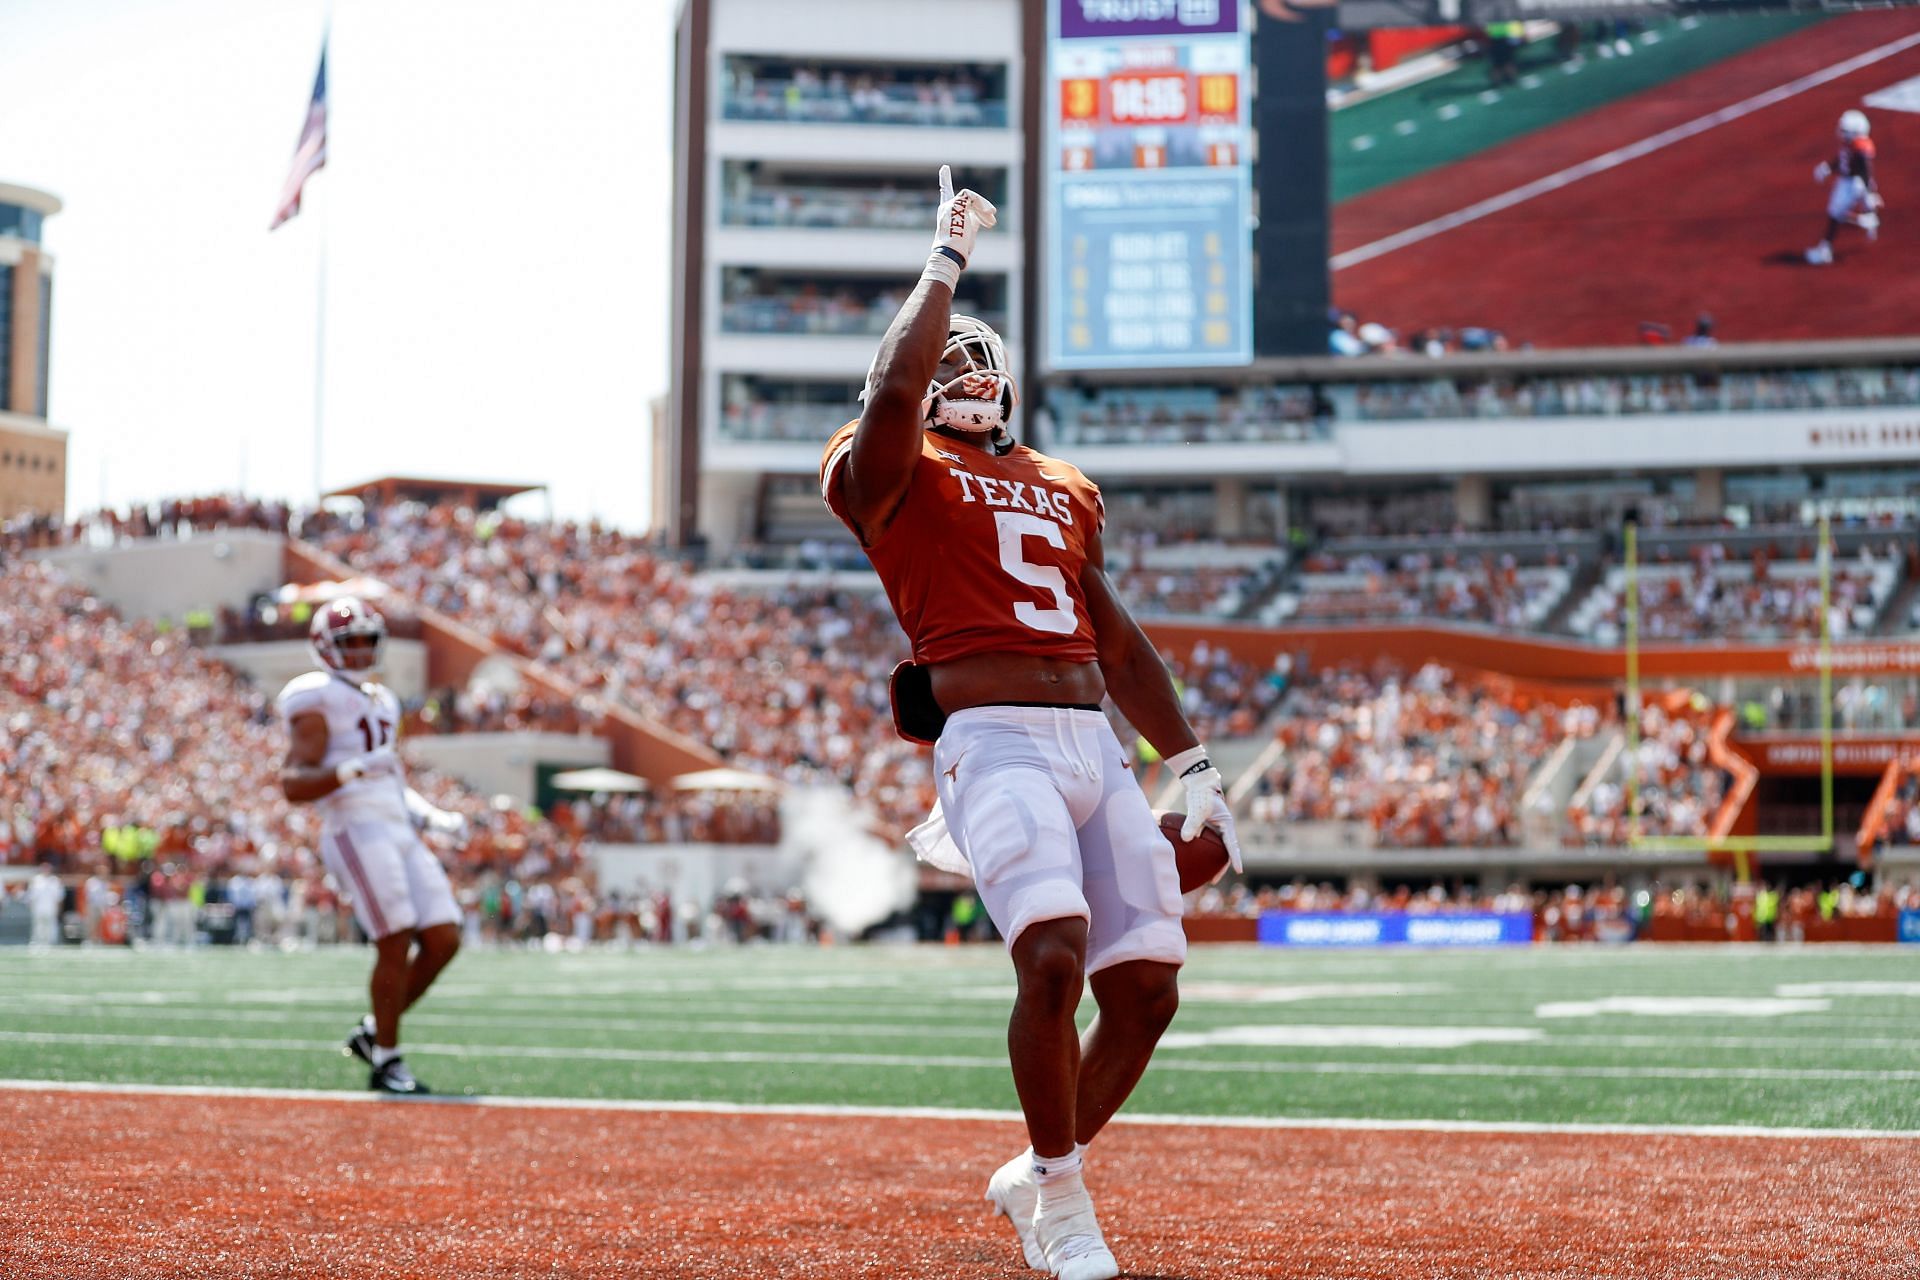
(1394, 929)
(1148, 177)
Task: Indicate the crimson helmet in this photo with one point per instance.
(339, 620)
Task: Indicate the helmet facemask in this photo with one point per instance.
(343, 631)
(973, 389)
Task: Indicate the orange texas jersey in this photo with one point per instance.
(1855, 159)
(984, 554)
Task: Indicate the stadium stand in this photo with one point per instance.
(132, 758)
(1740, 589)
(1410, 761)
(823, 93)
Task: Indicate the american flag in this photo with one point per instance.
(310, 155)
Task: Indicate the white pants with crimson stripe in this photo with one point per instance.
(1053, 824)
(394, 880)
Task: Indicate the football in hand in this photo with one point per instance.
(1201, 860)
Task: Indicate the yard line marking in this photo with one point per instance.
(741, 1057)
(1188, 1025)
(1617, 157)
(600, 1022)
(831, 1111)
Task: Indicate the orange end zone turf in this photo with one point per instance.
(138, 1186)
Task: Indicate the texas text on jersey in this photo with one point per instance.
(985, 552)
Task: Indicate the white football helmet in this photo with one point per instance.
(339, 620)
(981, 396)
(1853, 124)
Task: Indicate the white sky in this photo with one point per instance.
(496, 208)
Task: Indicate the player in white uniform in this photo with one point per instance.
(1854, 199)
(341, 757)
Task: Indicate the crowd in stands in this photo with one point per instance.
(1182, 592)
(672, 817)
(788, 681)
(875, 208)
(791, 683)
(265, 620)
(1304, 411)
(1348, 336)
(948, 95)
(169, 518)
(127, 753)
(1178, 415)
(1716, 594)
(1495, 590)
(807, 309)
(478, 708)
(797, 421)
(1416, 761)
(1603, 912)
(1676, 789)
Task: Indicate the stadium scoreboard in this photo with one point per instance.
(1149, 187)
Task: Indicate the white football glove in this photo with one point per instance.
(427, 816)
(961, 218)
(447, 823)
(1822, 171)
(1206, 800)
(371, 765)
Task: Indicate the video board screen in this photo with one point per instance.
(1677, 179)
(1148, 183)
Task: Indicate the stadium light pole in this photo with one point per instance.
(1823, 560)
(1633, 683)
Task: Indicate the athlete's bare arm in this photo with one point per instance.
(303, 778)
(1136, 678)
(886, 444)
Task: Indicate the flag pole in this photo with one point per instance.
(320, 296)
(320, 356)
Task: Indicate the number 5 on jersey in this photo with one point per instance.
(1014, 528)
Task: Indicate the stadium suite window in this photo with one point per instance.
(46, 345)
(20, 222)
(6, 335)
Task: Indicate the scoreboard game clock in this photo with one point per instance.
(1149, 184)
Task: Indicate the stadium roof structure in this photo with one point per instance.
(481, 495)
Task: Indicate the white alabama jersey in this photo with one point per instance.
(360, 718)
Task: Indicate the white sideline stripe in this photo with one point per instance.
(830, 1111)
(994, 1030)
(972, 1062)
(1617, 157)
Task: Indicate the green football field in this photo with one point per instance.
(1779, 1037)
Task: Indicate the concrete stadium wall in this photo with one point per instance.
(505, 764)
(167, 577)
(403, 664)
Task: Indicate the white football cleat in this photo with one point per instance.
(1069, 1236)
(1013, 1192)
(1821, 254)
(1869, 222)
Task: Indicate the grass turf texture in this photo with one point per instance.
(926, 1027)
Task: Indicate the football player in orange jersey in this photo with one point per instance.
(990, 554)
